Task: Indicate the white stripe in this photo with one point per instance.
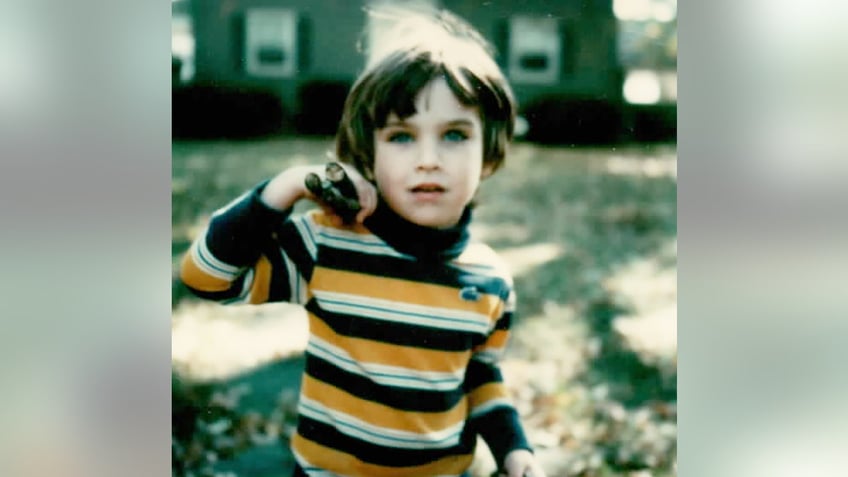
(370, 244)
(510, 301)
(384, 374)
(244, 294)
(355, 427)
(341, 234)
(247, 287)
(489, 406)
(489, 355)
(213, 260)
(297, 285)
(400, 312)
(478, 269)
(302, 286)
(209, 264)
(307, 233)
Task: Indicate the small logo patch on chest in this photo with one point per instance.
(469, 294)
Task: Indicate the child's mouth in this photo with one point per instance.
(428, 188)
(427, 191)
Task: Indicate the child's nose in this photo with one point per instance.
(428, 155)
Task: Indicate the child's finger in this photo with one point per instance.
(366, 210)
(372, 194)
(367, 201)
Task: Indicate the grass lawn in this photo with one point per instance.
(591, 237)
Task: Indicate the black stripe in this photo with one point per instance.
(401, 334)
(479, 373)
(437, 273)
(289, 239)
(505, 321)
(237, 234)
(328, 436)
(285, 239)
(399, 398)
(232, 238)
(279, 288)
(501, 429)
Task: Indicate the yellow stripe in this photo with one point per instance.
(368, 351)
(496, 340)
(322, 218)
(499, 310)
(339, 462)
(194, 277)
(379, 414)
(416, 293)
(259, 291)
(487, 392)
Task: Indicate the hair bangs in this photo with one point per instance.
(401, 88)
(403, 85)
(399, 68)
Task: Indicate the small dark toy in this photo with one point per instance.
(336, 190)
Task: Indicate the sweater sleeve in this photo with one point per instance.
(492, 413)
(250, 253)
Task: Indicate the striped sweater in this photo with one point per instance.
(406, 326)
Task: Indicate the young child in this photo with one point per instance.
(407, 316)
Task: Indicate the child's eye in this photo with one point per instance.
(455, 135)
(400, 137)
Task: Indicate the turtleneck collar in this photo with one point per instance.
(417, 240)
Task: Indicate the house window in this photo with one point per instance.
(535, 50)
(534, 62)
(271, 42)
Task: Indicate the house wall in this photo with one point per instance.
(333, 27)
(588, 31)
(328, 40)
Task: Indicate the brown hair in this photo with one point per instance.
(421, 49)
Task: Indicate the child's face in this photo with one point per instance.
(428, 166)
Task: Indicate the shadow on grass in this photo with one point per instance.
(266, 384)
(628, 379)
(602, 223)
(261, 402)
